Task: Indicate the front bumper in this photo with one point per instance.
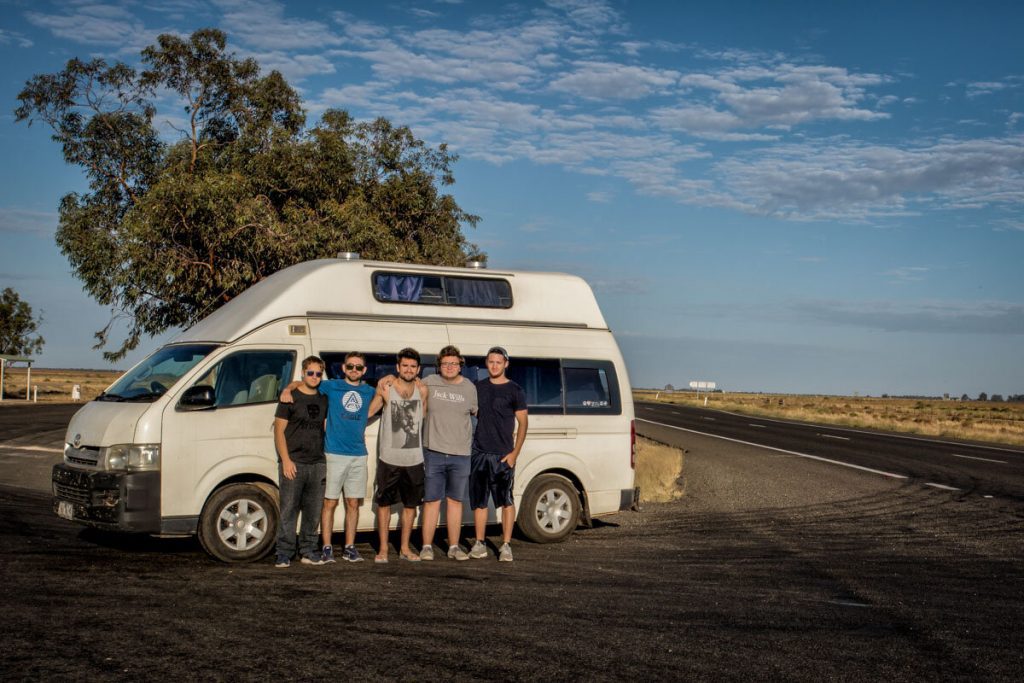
(118, 501)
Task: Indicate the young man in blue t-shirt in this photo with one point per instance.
(351, 403)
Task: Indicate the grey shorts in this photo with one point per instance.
(345, 474)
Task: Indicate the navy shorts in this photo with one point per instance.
(447, 475)
(490, 477)
(399, 484)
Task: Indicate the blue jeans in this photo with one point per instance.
(305, 494)
(446, 476)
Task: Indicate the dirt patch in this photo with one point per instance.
(54, 385)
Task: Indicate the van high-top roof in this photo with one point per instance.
(329, 288)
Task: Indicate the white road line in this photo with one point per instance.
(887, 434)
(780, 450)
(751, 424)
(941, 486)
(833, 436)
(41, 449)
(709, 419)
(974, 457)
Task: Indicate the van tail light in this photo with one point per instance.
(632, 444)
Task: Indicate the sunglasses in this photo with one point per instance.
(314, 373)
(353, 366)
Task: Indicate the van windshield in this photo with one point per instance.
(151, 378)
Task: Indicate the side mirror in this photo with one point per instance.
(198, 397)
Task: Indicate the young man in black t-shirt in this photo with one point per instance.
(501, 405)
(302, 467)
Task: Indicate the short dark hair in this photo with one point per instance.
(450, 351)
(409, 353)
(498, 350)
(354, 354)
(309, 360)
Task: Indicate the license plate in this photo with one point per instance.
(65, 510)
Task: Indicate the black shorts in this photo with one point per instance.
(395, 484)
(490, 477)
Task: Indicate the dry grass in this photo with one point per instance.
(966, 420)
(54, 386)
(659, 470)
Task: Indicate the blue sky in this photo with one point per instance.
(806, 197)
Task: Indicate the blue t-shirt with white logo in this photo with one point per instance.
(347, 410)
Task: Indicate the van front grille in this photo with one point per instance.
(72, 493)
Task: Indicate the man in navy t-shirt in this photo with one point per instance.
(501, 406)
(351, 403)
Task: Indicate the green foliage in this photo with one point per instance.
(170, 230)
(18, 326)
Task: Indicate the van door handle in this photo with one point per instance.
(551, 433)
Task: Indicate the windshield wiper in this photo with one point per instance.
(110, 397)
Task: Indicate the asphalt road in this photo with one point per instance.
(772, 566)
(971, 468)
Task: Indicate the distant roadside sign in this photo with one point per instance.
(701, 385)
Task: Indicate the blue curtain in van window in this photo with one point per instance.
(399, 287)
(473, 293)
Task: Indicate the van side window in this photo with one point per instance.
(249, 377)
(378, 365)
(444, 290)
(540, 379)
(590, 388)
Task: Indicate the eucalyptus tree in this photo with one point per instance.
(175, 224)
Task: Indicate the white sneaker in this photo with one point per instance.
(427, 552)
(478, 551)
(505, 553)
(455, 552)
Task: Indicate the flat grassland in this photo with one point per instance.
(992, 421)
(54, 385)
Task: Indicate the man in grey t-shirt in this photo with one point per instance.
(448, 431)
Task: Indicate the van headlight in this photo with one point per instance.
(128, 457)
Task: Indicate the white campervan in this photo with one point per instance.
(183, 444)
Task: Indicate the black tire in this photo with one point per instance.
(550, 509)
(239, 522)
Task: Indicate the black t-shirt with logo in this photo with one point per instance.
(304, 434)
(497, 405)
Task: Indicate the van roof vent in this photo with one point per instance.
(477, 265)
(348, 255)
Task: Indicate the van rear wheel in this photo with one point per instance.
(239, 523)
(550, 509)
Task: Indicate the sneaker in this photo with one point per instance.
(455, 552)
(505, 553)
(427, 552)
(478, 551)
(350, 554)
(283, 561)
(312, 558)
(328, 554)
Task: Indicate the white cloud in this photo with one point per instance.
(855, 181)
(14, 38)
(93, 24)
(17, 220)
(599, 196)
(608, 80)
(263, 26)
(996, 317)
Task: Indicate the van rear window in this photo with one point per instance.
(442, 290)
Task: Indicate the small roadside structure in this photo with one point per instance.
(8, 361)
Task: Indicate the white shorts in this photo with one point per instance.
(345, 473)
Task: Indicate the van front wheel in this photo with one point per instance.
(550, 509)
(239, 523)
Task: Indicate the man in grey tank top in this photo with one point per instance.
(400, 449)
